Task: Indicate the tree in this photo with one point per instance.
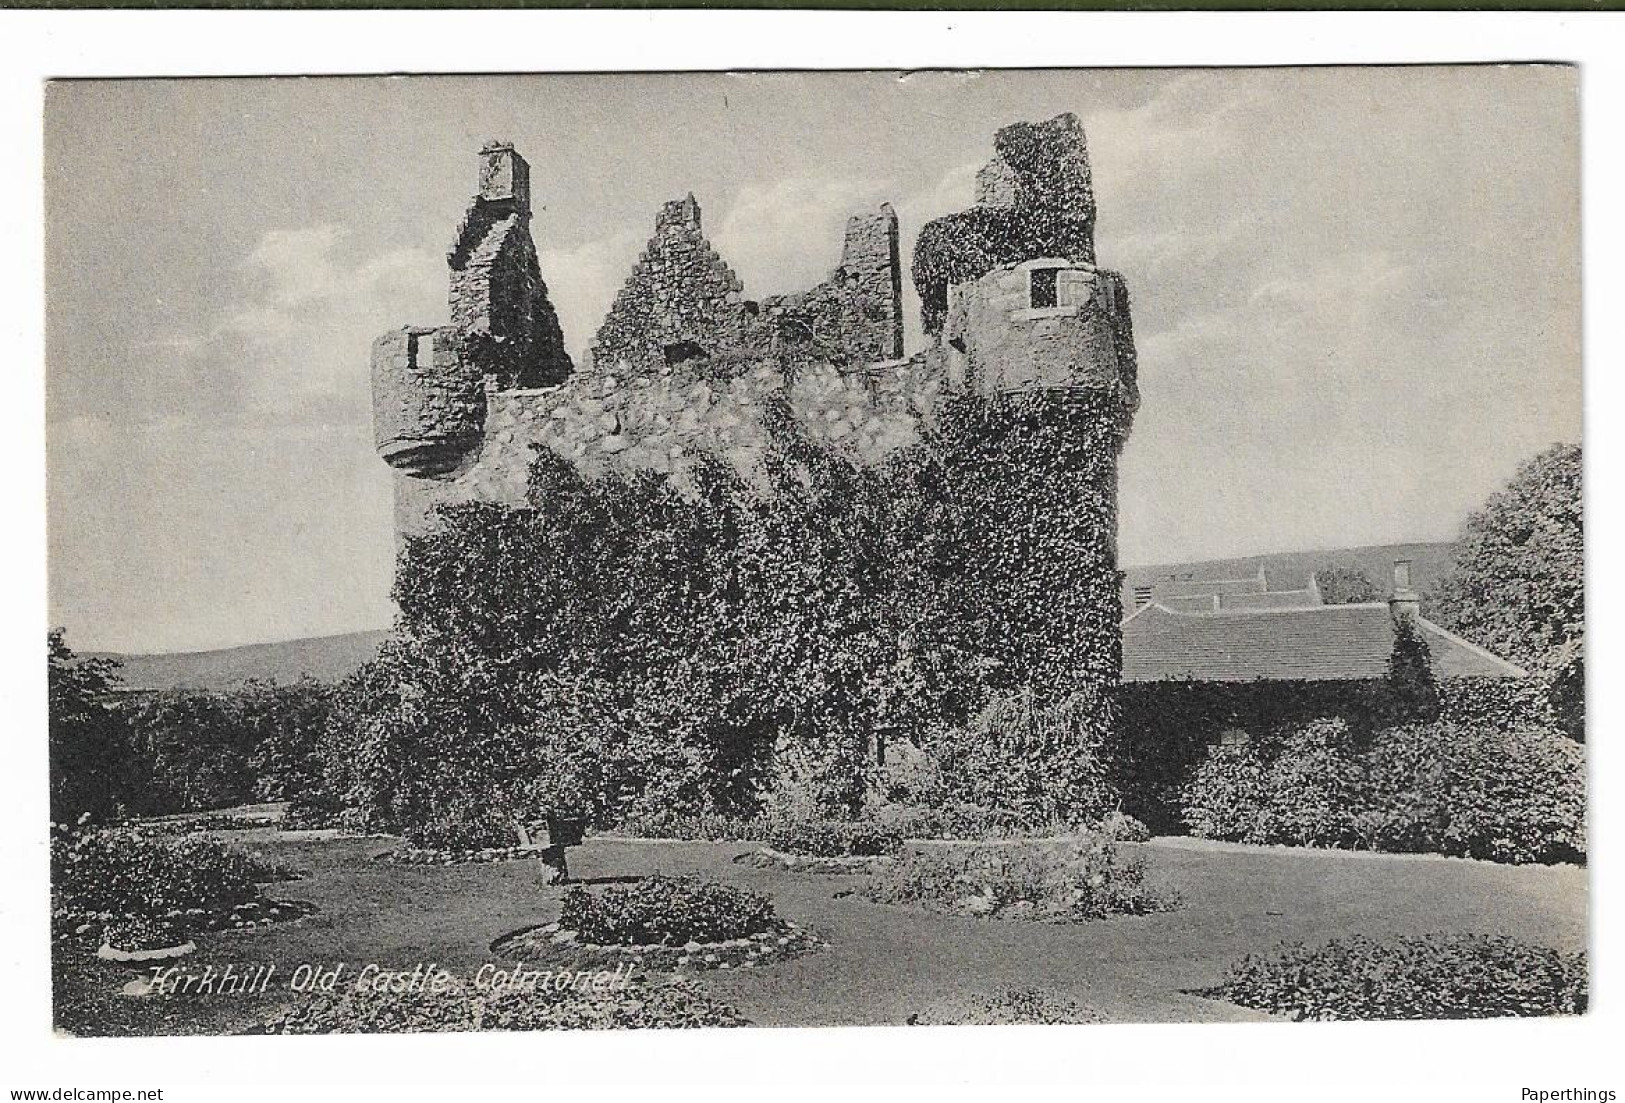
(1345, 584)
(284, 725)
(1517, 584)
(197, 748)
(91, 764)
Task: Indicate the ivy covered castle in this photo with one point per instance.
(1026, 336)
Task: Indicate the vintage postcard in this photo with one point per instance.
(815, 549)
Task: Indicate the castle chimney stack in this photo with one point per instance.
(1404, 603)
(504, 175)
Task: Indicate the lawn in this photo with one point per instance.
(884, 963)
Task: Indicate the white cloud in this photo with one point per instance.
(582, 281)
(786, 236)
(1345, 285)
(299, 329)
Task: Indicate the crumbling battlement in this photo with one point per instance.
(1034, 199)
(684, 365)
(855, 316)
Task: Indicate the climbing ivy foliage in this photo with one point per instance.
(1033, 480)
(967, 246)
(619, 645)
(1051, 214)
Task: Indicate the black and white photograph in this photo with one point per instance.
(935, 548)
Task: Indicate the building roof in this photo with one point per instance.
(1271, 599)
(1314, 643)
(1207, 587)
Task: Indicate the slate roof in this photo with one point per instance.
(1197, 603)
(1207, 587)
(1272, 599)
(1315, 643)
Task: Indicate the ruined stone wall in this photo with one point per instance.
(683, 364)
(1076, 335)
(855, 316)
(665, 423)
(428, 402)
(681, 302)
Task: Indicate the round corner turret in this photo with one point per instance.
(428, 402)
(1051, 323)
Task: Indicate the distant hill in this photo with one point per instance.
(326, 658)
(1291, 570)
(331, 658)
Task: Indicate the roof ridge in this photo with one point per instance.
(1272, 612)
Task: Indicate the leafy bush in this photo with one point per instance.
(140, 932)
(1436, 976)
(676, 1004)
(1315, 788)
(1504, 703)
(1470, 791)
(463, 825)
(93, 768)
(1345, 584)
(1517, 581)
(285, 724)
(1229, 795)
(1168, 727)
(1125, 828)
(666, 911)
(1041, 764)
(119, 873)
(1413, 691)
(1066, 883)
(833, 838)
(196, 750)
(313, 808)
(1507, 796)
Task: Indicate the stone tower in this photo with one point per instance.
(430, 383)
(1035, 343)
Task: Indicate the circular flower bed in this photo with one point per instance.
(1009, 1007)
(112, 882)
(673, 1004)
(119, 931)
(139, 939)
(1072, 882)
(551, 944)
(662, 923)
(1431, 976)
(832, 839)
(421, 856)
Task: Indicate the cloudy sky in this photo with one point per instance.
(1356, 293)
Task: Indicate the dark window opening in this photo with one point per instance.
(684, 350)
(794, 329)
(1142, 596)
(1043, 286)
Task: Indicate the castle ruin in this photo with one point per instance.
(685, 364)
